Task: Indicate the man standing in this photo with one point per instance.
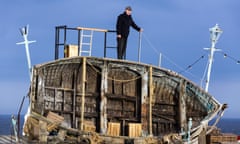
(124, 21)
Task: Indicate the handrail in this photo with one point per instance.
(78, 29)
(61, 41)
(92, 29)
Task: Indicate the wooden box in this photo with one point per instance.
(113, 129)
(227, 137)
(70, 51)
(134, 129)
(89, 126)
(224, 138)
(55, 119)
(43, 134)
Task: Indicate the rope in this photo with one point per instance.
(124, 81)
(113, 79)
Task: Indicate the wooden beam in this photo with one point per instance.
(144, 107)
(103, 100)
(150, 100)
(83, 92)
(182, 106)
(74, 98)
(92, 29)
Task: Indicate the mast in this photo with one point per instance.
(215, 33)
(24, 32)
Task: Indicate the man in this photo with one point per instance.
(124, 21)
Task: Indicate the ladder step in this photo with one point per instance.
(87, 35)
(85, 51)
(86, 43)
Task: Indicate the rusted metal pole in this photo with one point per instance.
(19, 117)
(150, 100)
(83, 91)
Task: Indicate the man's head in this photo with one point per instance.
(128, 10)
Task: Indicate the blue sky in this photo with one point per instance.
(177, 29)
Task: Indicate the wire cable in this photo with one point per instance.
(171, 61)
(191, 65)
(232, 58)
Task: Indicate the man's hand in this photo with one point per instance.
(119, 36)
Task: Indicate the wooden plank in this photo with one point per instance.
(43, 134)
(62, 134)
(92, 29)
(54, 117)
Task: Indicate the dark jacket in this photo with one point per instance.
(124, 21)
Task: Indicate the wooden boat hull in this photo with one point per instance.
(117, 98)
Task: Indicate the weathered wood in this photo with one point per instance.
(43, 133)
(182, 107)
(144, 107)
(62, 134)
(150, 100)
(103, 99)
(117, 91)
(54, 117)
(31, 129)
(83, 93)
(74, 98)
(56, 121)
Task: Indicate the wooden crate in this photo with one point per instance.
(221, 138)
(134, 129)
(89, 126)
(215, 138)
(70, 51)
(229, 138)
(43, 134)
(113, 129)
(55, 119)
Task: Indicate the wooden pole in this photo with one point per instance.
(103, 101)
(83, 91)
(150, 100)
(182, 106)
